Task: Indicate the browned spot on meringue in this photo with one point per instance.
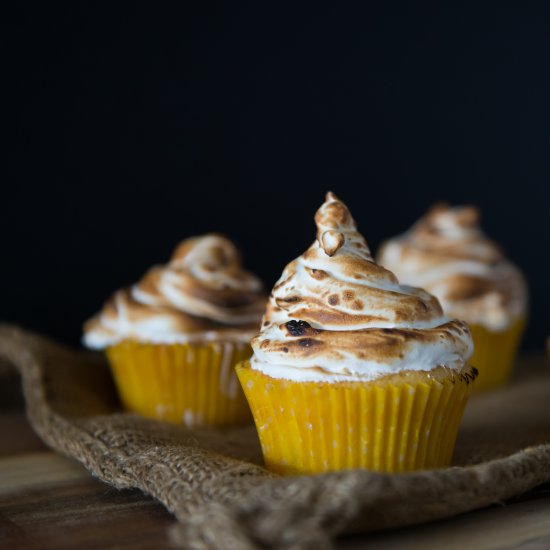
(309, 342)
(333, 300)
(467, 287)
(299, 328)
(317, 274)
(289, 300)
(349, 295)
(323, 316)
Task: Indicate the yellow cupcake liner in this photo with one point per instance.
(495, 354)
(397, 424)
(193, 384)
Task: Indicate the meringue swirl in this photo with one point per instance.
(202, 294)
(335, 315)
(447, 253)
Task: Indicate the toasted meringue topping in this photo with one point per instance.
(203, 293)
(448, 254)
(337, 315)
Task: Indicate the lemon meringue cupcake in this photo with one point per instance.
(447, 253)
(174, 338)
(352, 369)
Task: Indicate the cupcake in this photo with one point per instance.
(352, 369)
(448, 254)
(173, 339)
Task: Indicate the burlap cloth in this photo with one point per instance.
(213, 481)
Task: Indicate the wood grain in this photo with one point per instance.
(48, 501)
(524, 524)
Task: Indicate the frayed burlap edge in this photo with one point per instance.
(219, 500)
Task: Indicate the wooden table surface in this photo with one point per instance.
(48, 501)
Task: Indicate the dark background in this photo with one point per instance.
(129, 128)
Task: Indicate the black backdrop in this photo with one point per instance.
(129, 128)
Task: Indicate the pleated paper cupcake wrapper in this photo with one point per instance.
(182, 383)
(495, 354)
(309, 427)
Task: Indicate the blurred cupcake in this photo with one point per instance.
(174, 338)
(351, 369)
(447, 253)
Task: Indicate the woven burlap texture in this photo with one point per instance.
(213, 481)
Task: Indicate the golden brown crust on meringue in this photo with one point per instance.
(202, 290)
(335, 311)
(137, 312)
(446, 253)
(236, 299)
(378, 345)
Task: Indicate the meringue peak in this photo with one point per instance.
(337, 229)
(443, 217)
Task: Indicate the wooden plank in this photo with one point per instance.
(524, 524)
(16, 435)
(49, 501)
(70, 509)
(23, 472)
